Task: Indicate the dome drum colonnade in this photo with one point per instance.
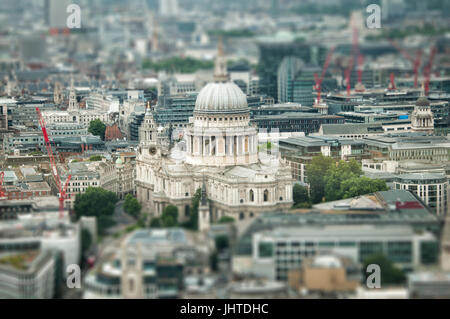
(221, 134)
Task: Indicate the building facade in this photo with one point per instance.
(220, 152)
(431, 188)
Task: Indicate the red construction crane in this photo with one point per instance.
(414, 61)
(427, 70)
(318, 81)
(392, 84)
(2, 192)
(62, 188)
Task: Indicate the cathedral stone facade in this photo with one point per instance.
(422, 118)
(219, 153)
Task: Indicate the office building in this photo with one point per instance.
(295, 122)
(393, 222)
(432, 188)
(150, 264)
(28, 274)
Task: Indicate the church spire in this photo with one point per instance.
(220, 64)
(73, 103)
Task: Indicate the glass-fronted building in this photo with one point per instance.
(431, 188)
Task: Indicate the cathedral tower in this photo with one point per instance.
(203, 211)
(73, 103)
(422, 118)
(148, 135)
(131, 263)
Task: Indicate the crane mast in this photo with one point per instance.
(62, 188)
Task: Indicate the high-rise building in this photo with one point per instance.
(271, 55)
(168, 7)
(286, 74)
(392, 8)
(56, 13)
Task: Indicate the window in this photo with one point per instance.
(131, 284)
(265, 250)
(266, 195)
(252, 196)
(428, 252)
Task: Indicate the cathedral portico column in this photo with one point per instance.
(231, 139)
(203, 146)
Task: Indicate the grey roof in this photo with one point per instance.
(295, 115)
(157, 236)
(400, 207)
(422, 176)
(344, 231)
(422, 101)
(363, 128)
(318, 141)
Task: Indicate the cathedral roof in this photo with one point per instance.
(422, 101)
(221, 98)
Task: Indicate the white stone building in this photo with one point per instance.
(422, 119)
(220, 151)
(74, 114)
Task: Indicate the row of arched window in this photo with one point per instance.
(265, 195)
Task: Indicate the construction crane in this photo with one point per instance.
(62, 188)
(414, 61)
(427, 71)
(318, 81)
(392, 82)
(2, 192)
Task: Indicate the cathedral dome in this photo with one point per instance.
(422, 101)
(221, 97)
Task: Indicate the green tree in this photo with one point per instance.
(316, 172)
(214, 260)
(222, 242)
(390, 275)
(226, 219)
(156, 223)
(192, 223)
(177, 64)
(142, 220)
(169, 216)
(98, 128)
(357, 186)
(169, 221)
(132, 206)
(95, 158)
(302, 205)
(338, 173)
(300, 194)
(96, 202)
